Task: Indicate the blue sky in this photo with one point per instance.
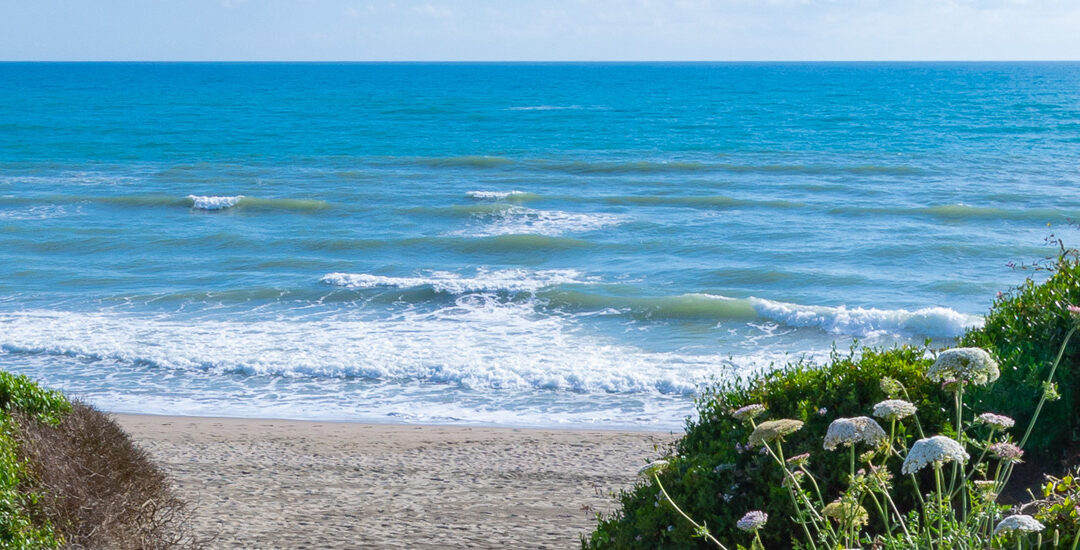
(455, 30)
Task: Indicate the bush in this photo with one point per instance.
(1024, 329)
(18, 531)
(19, 393)
(1059, 505)
(71, 478)
(97, 489)
(18, 528)
(715, 478)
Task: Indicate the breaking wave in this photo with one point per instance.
(574, 292)
(501, 195)
(519, 220)
(476, 343)
(509, 280)
(211, 202)
(200, 202)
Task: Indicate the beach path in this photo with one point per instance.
(265, 484)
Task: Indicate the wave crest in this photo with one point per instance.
(211, 202)
(500, 195)
(518, 220)
(934, 322)
(508, 280)
(476, 343)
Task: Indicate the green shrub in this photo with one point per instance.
(19, 530)
(19, 393)
(1059, 505)
(71, 478)
(716, 479)
(1024, 329)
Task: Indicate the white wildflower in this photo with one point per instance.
(894, 409)
(848, 431)
(752, 521)
(937, 449)
(972, 365)
(653, 468)
(1019, 523)
(744, 414)
(995, 421)
(773, 430)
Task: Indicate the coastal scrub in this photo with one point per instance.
(1027, 355)
(71, 478)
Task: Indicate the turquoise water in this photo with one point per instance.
(516, 244)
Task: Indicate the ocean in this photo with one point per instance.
(559, 245)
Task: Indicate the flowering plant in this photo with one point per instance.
(957, 475)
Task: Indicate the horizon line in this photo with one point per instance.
(538, 61)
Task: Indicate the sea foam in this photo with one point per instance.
(934, 322)
(508, 280)
(478, 343)
(495, 195)
(518, 220)
(203, 202)
(859, 322)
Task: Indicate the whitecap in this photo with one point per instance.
(546, 108)
(519, 220)
(477, 343)
(40, 212)
(493, 195)
(211, 202)
(507, 280)
(934, 322)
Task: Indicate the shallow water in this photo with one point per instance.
(550, 244)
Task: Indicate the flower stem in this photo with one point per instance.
(1049, 378)
(699, 527)
(982, 455)
(958, 397)
(940, 502)
(795, 488)
(918, 425)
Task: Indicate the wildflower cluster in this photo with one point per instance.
(970, 365)
(773, 431)
(894, 409)
(847, 432)
(956, 495)
(934, 451)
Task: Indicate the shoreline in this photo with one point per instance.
(389, 423)
(289, 484)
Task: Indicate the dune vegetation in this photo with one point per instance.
(904, 447)
(71, 478)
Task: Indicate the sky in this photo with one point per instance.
(538, 30)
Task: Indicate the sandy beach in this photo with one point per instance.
(264, 484)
